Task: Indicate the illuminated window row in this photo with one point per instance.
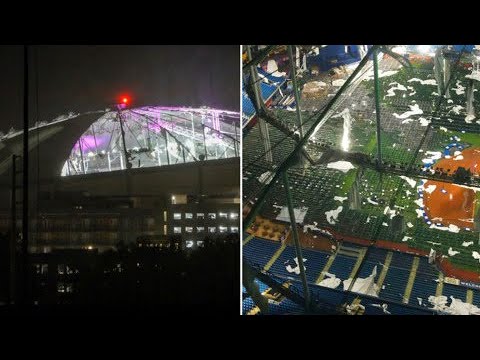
(191, 243)
(210, 216)
(202, 229)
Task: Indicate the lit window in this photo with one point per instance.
(189, 229)
(223, 215)
(200, 216)
(38, 268)
(61, 269)
(200, 229)
(177, 229)
(212, 216)
(212, 229)
(60, 288)
(234, 216)
(164, 229)
(189, 243)
(200, 243)
(234, 229)
(188, 216)
(165, 216)
(179, 199)
(177, 216)
(222, 229)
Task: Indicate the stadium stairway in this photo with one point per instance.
(325, 269)
(274, 257)
(439, 289)
(469, 296)
(411, 280)
(383, 273)
(356, 267)
(247, 239)
(343, 264)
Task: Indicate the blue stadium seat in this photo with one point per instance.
(334, 55)
(259, 251)
(316, 260)
(395, 283)
(374, 257)
(458, 292)
(423, 287)
(342, 266)
(247, 305)
(476, 298)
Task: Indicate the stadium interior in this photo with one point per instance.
(360, 179)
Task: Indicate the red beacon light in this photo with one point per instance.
(124, 102)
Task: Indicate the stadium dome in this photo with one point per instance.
(154, 136)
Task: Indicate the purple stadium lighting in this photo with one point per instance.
(91, 142)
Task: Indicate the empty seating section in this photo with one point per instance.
(259, 251)
(423, 287)
(316, 260)
(342, 266)
(247, 305)
(401, 260)
(335, 297)
(396, 280)
(425, 268)
(279, 266)
(458, 292)
(394, 285)
(374, 257)
(476, 298)
(315, 263)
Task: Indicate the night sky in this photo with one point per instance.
(84, 78)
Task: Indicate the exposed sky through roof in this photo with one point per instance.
(83, 78)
